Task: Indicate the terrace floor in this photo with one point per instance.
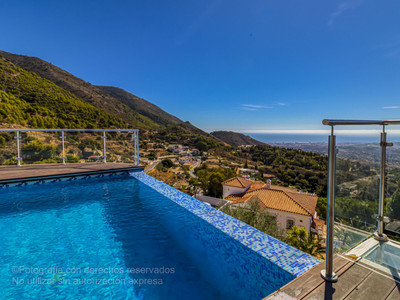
(356, 281)
(14, 173)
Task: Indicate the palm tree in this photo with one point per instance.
(309, 243)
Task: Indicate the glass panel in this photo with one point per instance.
(392, 228)
(357, 188)
(40, 147)
(8, 148)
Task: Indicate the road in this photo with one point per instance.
(195, 165)
(152, 165)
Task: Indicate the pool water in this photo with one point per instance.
(386, 255)
(116, 238)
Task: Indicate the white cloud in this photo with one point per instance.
(341, 9)
(280, 103)
(391, 107)
(254, 107)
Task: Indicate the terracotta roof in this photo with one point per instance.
(297, 203)
(309, 202)
(319, 222)
(256, 185)
(238, 182)
(238, 198)
(284, 188)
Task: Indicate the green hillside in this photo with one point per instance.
(236, 138)
(142, 106)
(28, 99)
(81, 89)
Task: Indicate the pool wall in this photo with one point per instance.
(288, 258)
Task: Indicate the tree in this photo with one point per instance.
(253, 215)
(3, 142)
(309, 243)
(393, 206)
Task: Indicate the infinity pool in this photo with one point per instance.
(117, 238)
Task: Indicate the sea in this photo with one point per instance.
(319, 138)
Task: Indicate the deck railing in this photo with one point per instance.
(328, 273)
(63, 137)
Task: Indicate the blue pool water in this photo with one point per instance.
(116, 238)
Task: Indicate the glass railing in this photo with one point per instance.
(392, 197)
(357, 189)
(361, 189)
(40, 146)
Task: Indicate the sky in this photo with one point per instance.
(253, 65)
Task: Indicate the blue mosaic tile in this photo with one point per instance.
(281, 254)
(59, 179)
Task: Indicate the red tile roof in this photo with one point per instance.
(279, 199)
(238, 182)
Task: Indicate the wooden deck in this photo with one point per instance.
(14, 173)
(356, 281)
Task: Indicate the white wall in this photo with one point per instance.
(229, 190)
(282, 216)
(299, 220)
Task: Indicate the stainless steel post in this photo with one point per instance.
(379, 235)
(104, 147)
(62, 137)
(18, 150)
(328, 273)
(137, 148)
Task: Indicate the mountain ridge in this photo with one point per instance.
(236, 139)
(82, 89)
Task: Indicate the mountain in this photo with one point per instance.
(28, 99)
(36, 93)
(142, 106)
(81, 89)
(236, 138)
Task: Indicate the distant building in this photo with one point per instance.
(184, 160)
(269, 176)
(319, 227)
(247, 171)
(212, 161)
(290, 207)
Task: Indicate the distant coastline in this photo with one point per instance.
(271, 138)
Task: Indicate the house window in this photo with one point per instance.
(289, 223)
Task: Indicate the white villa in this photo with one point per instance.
(290, 207)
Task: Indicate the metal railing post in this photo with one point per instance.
(379, 235)
(137, 153)
(62, 137)
(328, 273)
(18, 150)
(104, 147)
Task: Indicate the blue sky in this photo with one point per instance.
(228, 65)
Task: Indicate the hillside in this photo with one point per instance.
(141, 106)
(28, 99)
(81, 89)
(236, 139)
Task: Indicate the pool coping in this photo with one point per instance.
(281, 254)
(64, 177)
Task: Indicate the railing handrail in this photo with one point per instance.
(328, 273)
(135, 138)
(333, 122)
(68, 130)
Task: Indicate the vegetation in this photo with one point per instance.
(210, 180)
(252, 215)
(28, 99)
(308, 243)
(165, 164)
(260, 219)
(235, 138)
